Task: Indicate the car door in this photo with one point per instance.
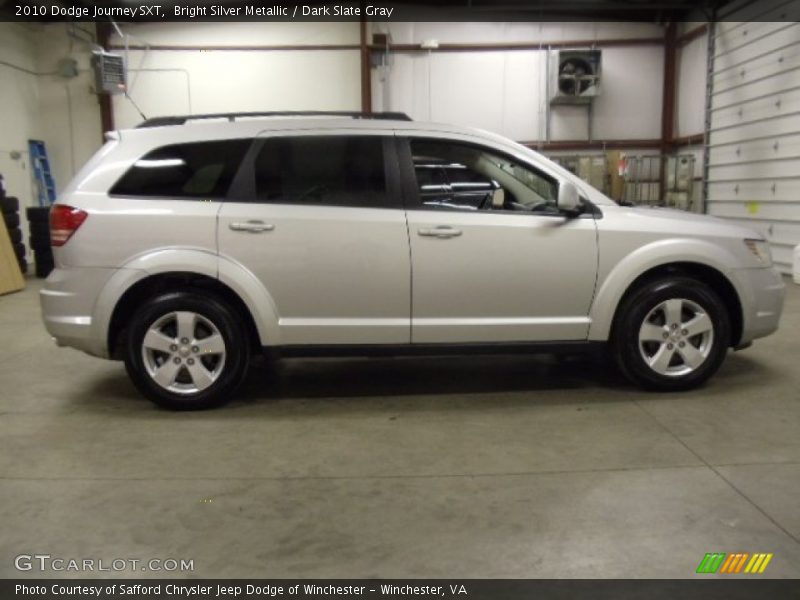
(512, 269)
(319, 221)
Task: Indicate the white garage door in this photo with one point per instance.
(753, 172)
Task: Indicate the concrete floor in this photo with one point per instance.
(448, 467)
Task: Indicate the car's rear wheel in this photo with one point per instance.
(186, 351)
(671, 334)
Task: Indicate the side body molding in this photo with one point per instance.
(619, 268)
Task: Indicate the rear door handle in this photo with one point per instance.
(440, 231)
(251, 226)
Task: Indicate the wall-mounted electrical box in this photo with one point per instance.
(574, 76)
(381, 57)
(109, 72)
(68, 68)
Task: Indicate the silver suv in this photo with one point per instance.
(189, 244)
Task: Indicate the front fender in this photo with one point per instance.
(629, 267)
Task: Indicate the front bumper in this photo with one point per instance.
(761, 292)
(68, 301)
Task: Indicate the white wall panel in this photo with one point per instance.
(691, 82)
(470, 88)
(19, 98)
(754, 154)
(498, 91)
(629, 106)
(505, 91)
(228, 81)
(224, 79)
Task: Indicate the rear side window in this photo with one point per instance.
(196, 170)
(325, 170)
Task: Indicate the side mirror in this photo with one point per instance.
(568, 199)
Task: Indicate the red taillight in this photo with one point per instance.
(64, 221)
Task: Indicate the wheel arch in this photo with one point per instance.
(170, 281)
(710, 275)
(166, 269)
(708, 260)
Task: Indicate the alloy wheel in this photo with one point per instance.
(183, 352)
(676, 337)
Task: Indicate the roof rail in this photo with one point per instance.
(181, 120)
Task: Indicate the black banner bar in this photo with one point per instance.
(129, 11)
(495, 589)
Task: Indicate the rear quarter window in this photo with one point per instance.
(195, 170)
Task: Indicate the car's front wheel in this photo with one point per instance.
(186, 351)
(671, 334)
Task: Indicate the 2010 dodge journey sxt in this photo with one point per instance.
(188, 244)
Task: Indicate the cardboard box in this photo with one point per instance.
(11, 279)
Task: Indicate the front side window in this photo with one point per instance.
(322, 170)
(196, 170)
(451, 175)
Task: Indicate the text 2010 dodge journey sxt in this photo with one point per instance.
(188, 244)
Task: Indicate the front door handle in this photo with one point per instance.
(440, 231)
(251, 226)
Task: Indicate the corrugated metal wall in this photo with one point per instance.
(753, 120)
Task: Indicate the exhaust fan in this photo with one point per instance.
(575, 76)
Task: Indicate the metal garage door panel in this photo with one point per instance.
(757, 130)
(787, 146)
(756, 12)
(755, 90)
(777, 64)
(779, 104)
(753, 155)
(762, 211)
(783, 232)
(772, 40)
(785, 190)
(773, 169)
(740, 38)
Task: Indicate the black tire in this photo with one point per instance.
(41, 246)
(9, 204)
(40, 229)
(45, 264)
(219, 315)
(43, 267)
(15, 233)
(677, 373)
(19, 250)
(38, 214)
(11, 220)
(23, 266)
(44, 253)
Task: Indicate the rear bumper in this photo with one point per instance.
(761, 294)
(68, 301)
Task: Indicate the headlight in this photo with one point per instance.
(761, 250)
